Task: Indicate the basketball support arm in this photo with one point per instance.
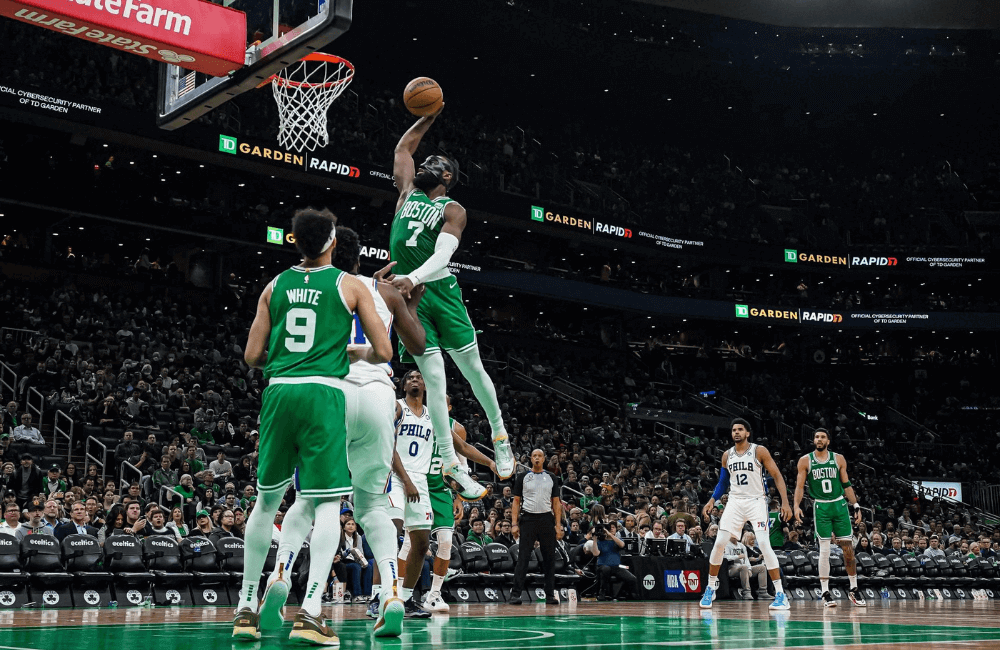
(444, 248)
(723, 484)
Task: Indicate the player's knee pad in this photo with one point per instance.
(824, 558)
(404, 550)
(444, 544)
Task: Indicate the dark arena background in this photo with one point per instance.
(679, 214)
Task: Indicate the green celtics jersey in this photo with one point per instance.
(437, 464)
(310, 324)
(824, 478)
(415, 230)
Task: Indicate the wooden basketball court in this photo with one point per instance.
(743, 625)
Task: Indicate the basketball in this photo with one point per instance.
(423, 96)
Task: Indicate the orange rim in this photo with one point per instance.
(324, 58)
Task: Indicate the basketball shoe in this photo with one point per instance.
(275, 595)
(390, 619)
(246, 625)
(707, 598)
(458, 479)
(433, 602)
(780, 601)
(857, 597)
(828, 600)
(504, 457)
(312, 630)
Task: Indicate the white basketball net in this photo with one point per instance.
(304, 92)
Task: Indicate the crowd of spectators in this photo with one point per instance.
(161, 380)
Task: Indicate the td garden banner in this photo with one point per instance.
(868, 320)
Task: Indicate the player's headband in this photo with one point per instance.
(437, 166)
(333, 238)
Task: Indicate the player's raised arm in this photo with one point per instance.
(359, 300)
(800, 486)
(852, 497)
(764, 456)
(402, 162)
(256, 348)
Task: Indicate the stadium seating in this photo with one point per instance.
(172, 583)
(13, 579)
(49, 582)
(209, 584)
(123, 558)
(91, 583)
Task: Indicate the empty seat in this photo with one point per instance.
(13, 579)
(163, 557)
(84, 558)
(209, 582)
(49, 582)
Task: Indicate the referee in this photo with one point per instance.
(536, 514)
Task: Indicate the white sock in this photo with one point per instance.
(713, 581)
(824, 584)
(405, 593)
(436, 583)
(381, 535)
(295, 527)
(777, 587)
(854, 580)
(432, 369)
(257, 540)
(325, 540)
(471, 365)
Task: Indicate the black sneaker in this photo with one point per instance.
(828, 600)
(857, 597)
(515, 600)
(414, 610)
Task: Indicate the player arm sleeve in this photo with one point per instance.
(723, 484)
(445, 247)
(518, 486)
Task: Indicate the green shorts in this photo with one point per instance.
(832, 518)
(442, 502)
(303, 435)
(445, 319)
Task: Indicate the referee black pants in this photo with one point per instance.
(541, 528)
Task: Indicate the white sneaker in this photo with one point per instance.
(458, 479)
(503, 456)
(433, 602)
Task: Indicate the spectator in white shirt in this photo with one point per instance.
(221, 467)
(11, 519)
(741, 566)
(680, 532)
(27, 433)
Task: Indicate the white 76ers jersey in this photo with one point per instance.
(415, 440)
(362, 372)
(746, 474)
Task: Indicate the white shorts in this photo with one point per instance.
(415, 516)
(371, 436)
(740, 511)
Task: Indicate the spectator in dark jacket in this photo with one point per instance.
(28, 479)
(126, 450)
(77, 525)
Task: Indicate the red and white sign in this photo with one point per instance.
(194, 34)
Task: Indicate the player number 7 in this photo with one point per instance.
(417, 226)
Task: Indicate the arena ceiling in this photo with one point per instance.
(903, 14)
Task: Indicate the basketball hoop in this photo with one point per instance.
(304, 92)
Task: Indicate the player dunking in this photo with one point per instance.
(425, 234)
(742, 471)
(300, 335)
(370, 430)
(826, 473)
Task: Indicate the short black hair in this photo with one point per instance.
(746, 425)
(821, 429)
(455, 171)
(347, 255)
(311, 228)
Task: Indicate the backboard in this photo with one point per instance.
(279, 32)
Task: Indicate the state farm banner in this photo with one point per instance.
(196, 35)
